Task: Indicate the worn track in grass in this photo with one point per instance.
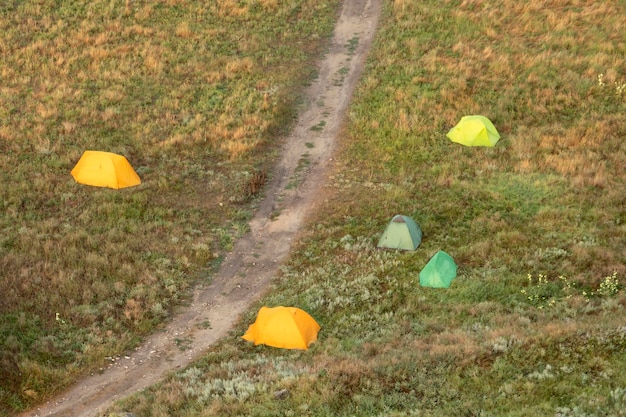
(248, 269)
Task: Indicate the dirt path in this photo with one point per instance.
(248, 269)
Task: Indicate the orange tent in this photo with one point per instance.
(105, 169)
(283, 327)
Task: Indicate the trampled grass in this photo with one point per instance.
(534, 322)
(196, 95)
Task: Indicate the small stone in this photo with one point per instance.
(281, 394)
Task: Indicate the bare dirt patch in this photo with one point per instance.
(248, 269)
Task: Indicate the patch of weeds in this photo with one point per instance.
(341, 76)
(215, 262)
(352, 44)
(547, 293)
(551, 254)
(544, 293)
(319, 127)
(309, 145)
(237, 388)
(225, 238)
(183, 343)
(618, 86)
(233, 381)
(274, 214)
(609, 286)
(303, 163)
(206, 324)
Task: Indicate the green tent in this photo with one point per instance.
(401, 233)
(474, 131)
(439, 271)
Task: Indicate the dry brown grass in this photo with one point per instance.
(448, 344)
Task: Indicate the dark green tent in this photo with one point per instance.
(401, 233)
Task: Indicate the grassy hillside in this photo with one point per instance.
(534, 322)
(196, 94)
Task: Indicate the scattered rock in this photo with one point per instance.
(281, 394)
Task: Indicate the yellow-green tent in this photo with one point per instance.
(474, 131)
(283, 327)
(105, 169)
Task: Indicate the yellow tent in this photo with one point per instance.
(105, 169)
(474, 131)
(283, 327)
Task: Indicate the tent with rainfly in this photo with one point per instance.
(105, 169)
(283, 327)
(439, 271)
(474, 130)
(401, 233)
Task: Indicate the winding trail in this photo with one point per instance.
(255, 259)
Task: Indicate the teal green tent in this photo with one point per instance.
(474, 131)
(439, 271)
(401, 233)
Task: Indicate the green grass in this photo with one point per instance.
(195, 94)
(534, 322)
